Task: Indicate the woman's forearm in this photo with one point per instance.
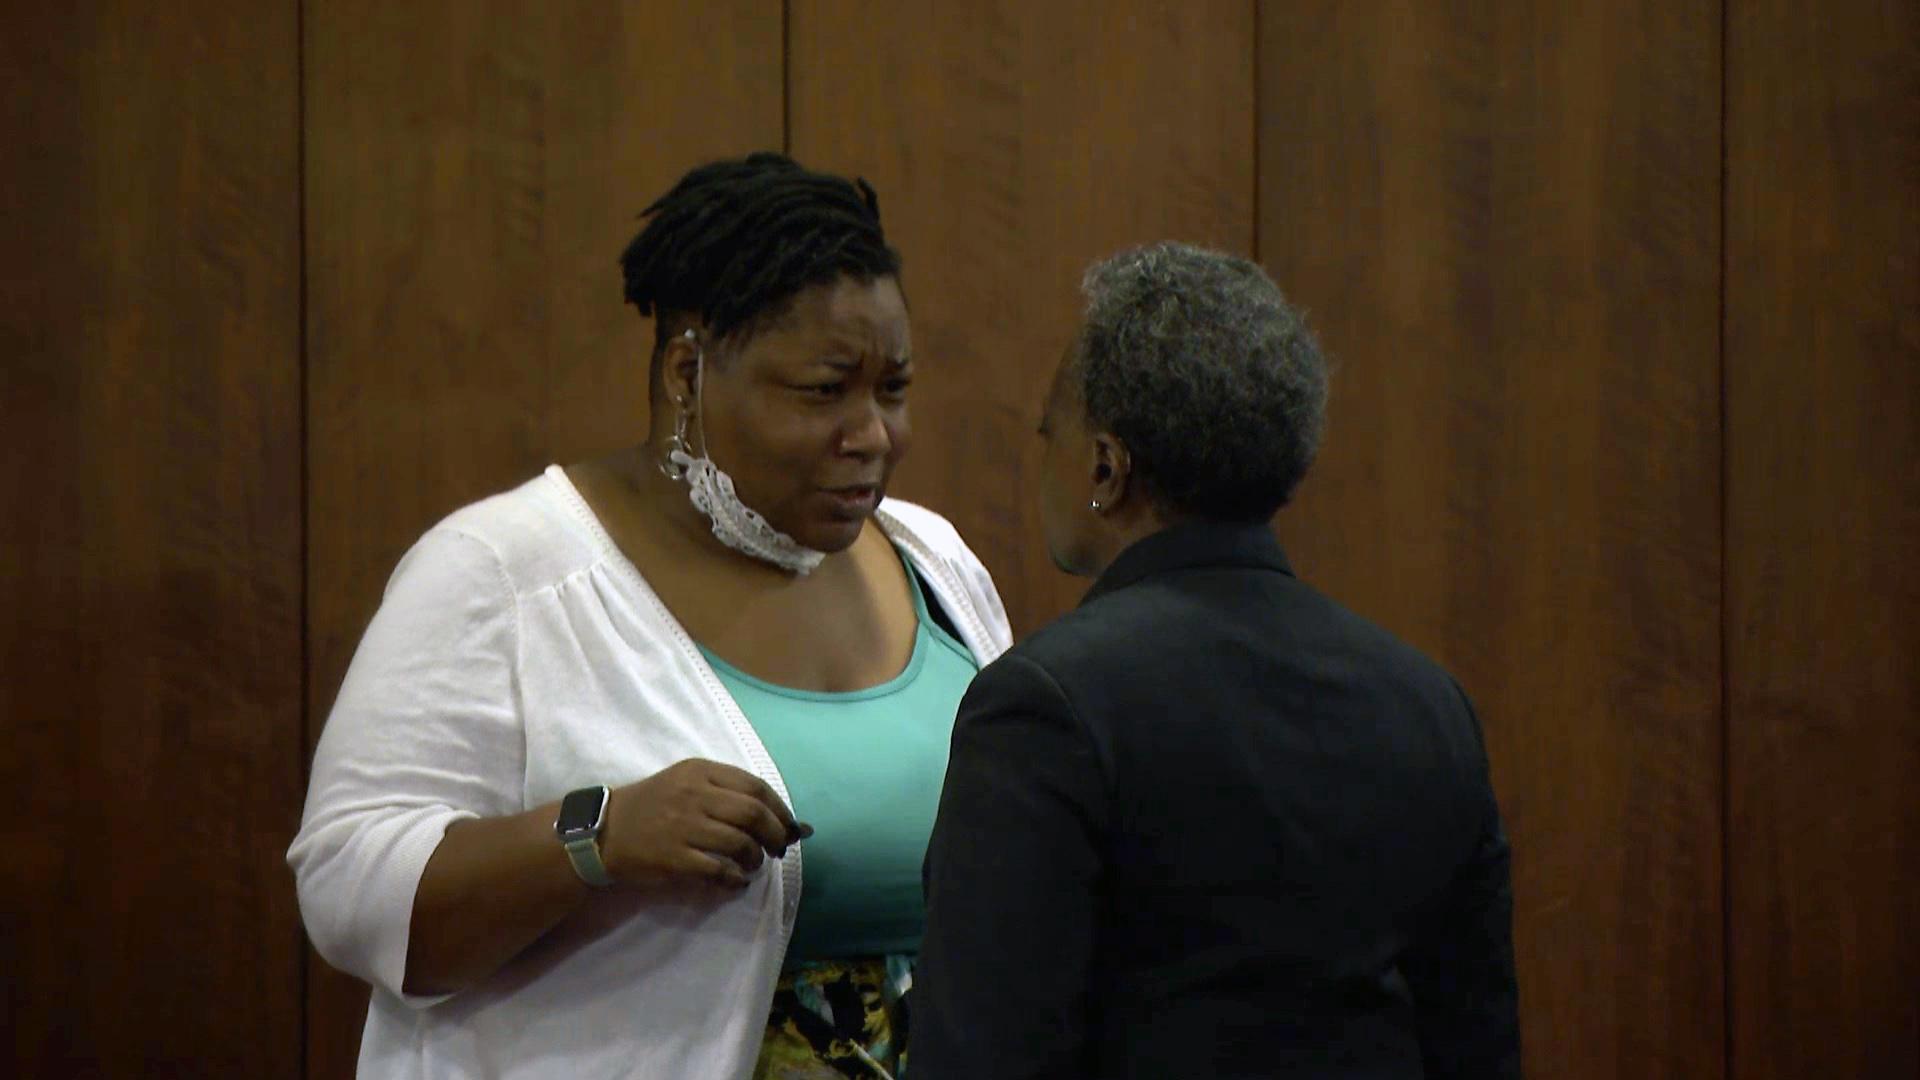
(490, 889)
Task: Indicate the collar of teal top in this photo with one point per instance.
(926, 636)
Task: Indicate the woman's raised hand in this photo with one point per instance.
(695, 827)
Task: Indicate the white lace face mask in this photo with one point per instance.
(711, 490)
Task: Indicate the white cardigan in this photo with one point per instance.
(518, 655)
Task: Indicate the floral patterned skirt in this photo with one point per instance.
(834, 1019)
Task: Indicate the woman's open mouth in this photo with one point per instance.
(856, 500)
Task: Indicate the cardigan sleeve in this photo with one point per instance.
(426, 731)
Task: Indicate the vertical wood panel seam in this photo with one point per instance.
(1727, 934)
(300, 303)
(786, 77)
(1259, 101)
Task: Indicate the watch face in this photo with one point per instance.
(580, 811)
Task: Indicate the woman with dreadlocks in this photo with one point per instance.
(552, 815)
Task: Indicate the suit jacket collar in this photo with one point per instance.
(1190, 545)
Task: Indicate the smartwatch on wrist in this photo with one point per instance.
(582, 814)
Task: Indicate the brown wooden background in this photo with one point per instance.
(1627, 430)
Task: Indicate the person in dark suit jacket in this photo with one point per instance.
(1210, 823)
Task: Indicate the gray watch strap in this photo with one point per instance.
(584, 853)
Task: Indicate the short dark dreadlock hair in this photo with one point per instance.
(735, 241)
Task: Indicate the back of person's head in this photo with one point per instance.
(735, 241)
(1198, 364)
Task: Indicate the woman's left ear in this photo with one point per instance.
(684, 365)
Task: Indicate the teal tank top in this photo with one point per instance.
(865, 769)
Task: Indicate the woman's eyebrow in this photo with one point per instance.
(842, 362)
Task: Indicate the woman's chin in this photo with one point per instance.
(832, 535)
(833, 520)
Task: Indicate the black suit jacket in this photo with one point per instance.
(1211, 823)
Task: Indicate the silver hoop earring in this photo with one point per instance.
(677, 447)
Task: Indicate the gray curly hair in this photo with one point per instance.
(1195, 360)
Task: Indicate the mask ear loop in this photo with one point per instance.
(699, 385)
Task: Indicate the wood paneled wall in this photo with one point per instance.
(150, 583)
(1624, 431)
(1822, 361)
(1507, 227)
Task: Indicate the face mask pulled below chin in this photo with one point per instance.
(711, 491)
(735, 524)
